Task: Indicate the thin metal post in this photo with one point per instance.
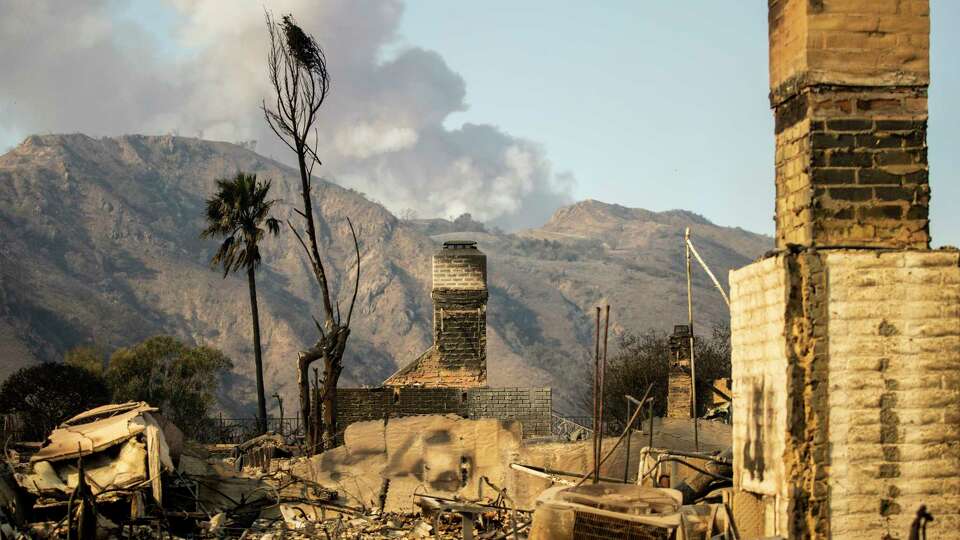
(693, 364)
(650, 446)
(706, 268)
(603, 374)
(626, 463)
(596, 396)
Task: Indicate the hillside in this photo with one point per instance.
(98, 240)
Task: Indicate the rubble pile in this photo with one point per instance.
(123, 471)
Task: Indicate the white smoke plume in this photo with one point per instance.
(78, 67)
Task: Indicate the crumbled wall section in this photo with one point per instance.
(531, 406)
(431, 370)
(806, 459)
(895, 405)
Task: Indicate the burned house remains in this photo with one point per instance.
(451, 376)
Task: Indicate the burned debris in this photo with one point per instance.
(838, 419)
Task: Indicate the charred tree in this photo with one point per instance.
(297, 69)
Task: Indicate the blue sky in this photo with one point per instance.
(656, 104)
(650, 104)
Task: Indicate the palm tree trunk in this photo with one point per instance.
(258, 355)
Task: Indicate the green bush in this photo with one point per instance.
(47, 394)
(181, 380)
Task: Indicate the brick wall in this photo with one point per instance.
(894, 345)
(848, 42)
(848, 86)
(531, 406)
(845, 370)
(460, 311)
(431, 370)
(853, 170)
(460, 269)
(678, 393)
(758, 295)
(460, 330)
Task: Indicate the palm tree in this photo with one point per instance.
(239, 212)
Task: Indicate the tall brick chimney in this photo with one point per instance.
(846, 343)
(460, 307)
(458, 357)
(848, 86)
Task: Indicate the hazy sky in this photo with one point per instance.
(504, 109)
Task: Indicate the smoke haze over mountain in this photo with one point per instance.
(203, 74)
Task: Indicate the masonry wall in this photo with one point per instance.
(760, 367)
(460, 316)
(679, 397)
(894, 416)
(848, 86)
(432, 370)
(458, 356)
(847, 390)
(851, 168)
(531, 406)
(460, 269)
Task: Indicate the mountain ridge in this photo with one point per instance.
(102, 239)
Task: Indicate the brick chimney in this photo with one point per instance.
(846, 347)
(458, 357)
(679, 395)
(848, 87)
(460, 307)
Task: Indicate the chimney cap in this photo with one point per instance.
(460, 244)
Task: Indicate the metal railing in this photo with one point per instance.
(220, 430)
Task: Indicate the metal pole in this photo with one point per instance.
(650, 446)
(626, 463)
(603, 374)
(693, 364)
(706, 268)
(596, 396)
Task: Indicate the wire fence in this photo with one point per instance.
(220, 430)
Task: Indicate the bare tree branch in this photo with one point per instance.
(356, 283)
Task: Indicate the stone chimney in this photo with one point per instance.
(458, 357)
(679, 394)
(846, 343)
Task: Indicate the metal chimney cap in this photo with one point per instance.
(460, 244)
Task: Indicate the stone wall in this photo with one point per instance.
(531, 406)
(894, 345)
(846, 387)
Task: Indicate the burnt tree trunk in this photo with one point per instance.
(319, 407)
